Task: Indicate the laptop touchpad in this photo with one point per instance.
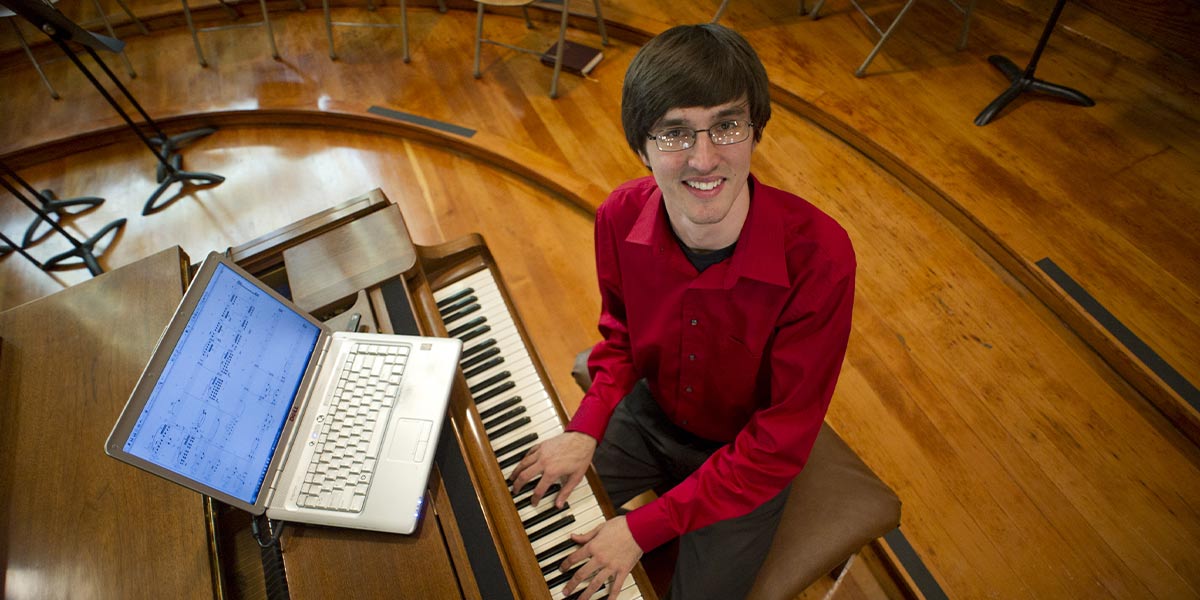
(410, 440)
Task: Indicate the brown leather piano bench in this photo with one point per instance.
(836, 507)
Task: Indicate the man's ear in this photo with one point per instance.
(645, 160)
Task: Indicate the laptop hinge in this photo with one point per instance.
(303, 403)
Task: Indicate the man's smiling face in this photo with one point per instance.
(705, 187)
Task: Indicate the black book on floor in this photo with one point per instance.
(577, 58)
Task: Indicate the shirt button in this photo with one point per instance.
(694, 322)
(691, 357)
(688, 389)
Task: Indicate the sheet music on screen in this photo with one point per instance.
(217, 411)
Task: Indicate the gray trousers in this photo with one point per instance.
(643, 450)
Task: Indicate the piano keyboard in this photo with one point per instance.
(517, 413)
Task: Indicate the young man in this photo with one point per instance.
(725, 316)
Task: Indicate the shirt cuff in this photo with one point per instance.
(650, 526)
(591, 418)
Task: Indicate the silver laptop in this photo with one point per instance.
(250, 400)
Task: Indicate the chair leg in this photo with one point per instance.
(329, 29)
(37, 67)
(108, 27)
(962, 40)
(816, 11)
(478, 39)
(562, 37)
(140, 25)
(404, 29)
(270, 32)
(720, 10)
(442, 6)
(839, 575)
(883, 40)
(600, 22)
(187, 15)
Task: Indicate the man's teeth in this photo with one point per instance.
(703, 185)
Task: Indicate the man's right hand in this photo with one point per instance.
(563, 459)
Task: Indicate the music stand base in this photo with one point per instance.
(85, 251)
(56, 209)
(1022, 82)
(168, 148)
(186, 178)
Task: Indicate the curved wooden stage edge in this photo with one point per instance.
(1036, 453)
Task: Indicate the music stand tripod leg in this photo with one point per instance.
(10, 246)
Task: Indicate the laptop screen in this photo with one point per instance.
(217, 411)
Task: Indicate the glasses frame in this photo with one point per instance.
(696, 136)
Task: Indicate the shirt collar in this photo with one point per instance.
(760, 247)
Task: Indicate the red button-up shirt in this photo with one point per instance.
(747, 352)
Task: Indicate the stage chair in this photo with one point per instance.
(403, 24)
(524, 4)
(887, 34)
(109, 28)
(837, 506)
(233, 14)
(5, 13)
(725, 4)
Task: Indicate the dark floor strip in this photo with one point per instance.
(914, 566)
(1129, 339)
(422, 121)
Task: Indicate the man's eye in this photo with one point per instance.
(673, 134)
(726, 126)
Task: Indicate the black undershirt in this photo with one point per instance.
(703, 259)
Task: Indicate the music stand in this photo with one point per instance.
(85, 251)
(1024, 81)
(61, 30)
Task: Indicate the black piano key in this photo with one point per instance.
(512, 414)
(451, 308)
(555, 550)
(466, 337)
(485, 344)
(512, 460)
(491, 364)
(468, 326)
(564, 577)
(448, 300)
(544, 516)
(452, 317)
(496, 391)
(486, 354)
(489, 382)
(525, 440)
(551, 528)
(528, 500)
(492, 411)
(511, 427)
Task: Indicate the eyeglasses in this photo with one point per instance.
(724, 133)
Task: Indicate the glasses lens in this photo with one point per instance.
(729, 132)
(673, 140)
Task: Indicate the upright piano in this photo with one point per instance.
(476, 540)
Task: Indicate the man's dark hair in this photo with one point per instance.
(692, 65)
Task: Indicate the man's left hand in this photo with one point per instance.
(613, 553)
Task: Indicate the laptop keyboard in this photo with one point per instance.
(349, 435)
